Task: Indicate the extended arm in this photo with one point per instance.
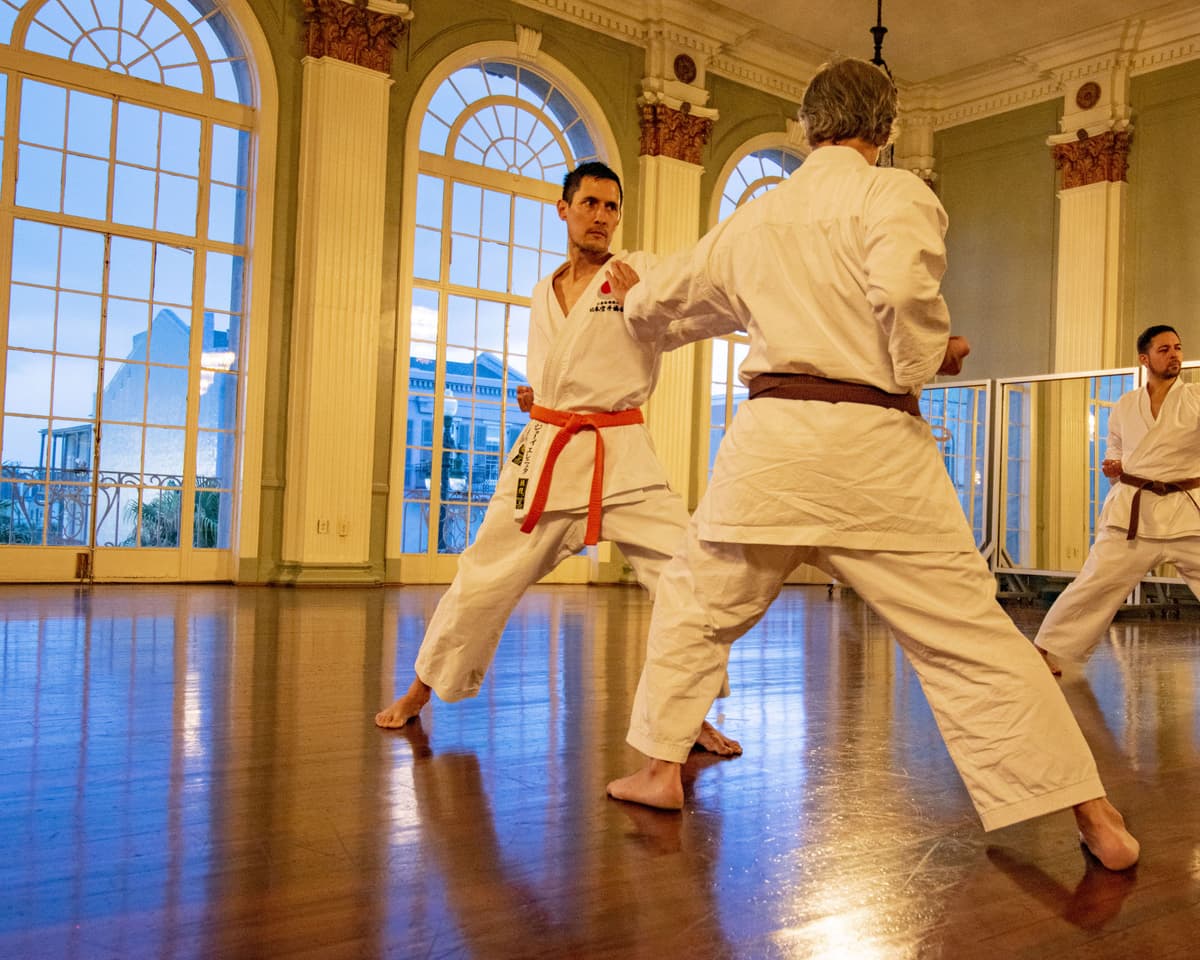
(672, 333)
(677, 303)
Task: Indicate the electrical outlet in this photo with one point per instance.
(322, 526)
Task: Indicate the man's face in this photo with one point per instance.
(592, 215)
(1164, 358)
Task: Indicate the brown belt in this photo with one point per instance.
(802, 386)
(1160, 488)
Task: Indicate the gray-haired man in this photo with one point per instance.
(835, 275)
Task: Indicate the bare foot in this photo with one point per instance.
(714, 741)
(1102, 831)
(405, 708)
(658, 784)
(1051, 661)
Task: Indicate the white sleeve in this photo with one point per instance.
(680, 291)
(685, 331)
(905, 261)
(1113, 448)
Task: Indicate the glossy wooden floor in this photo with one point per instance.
(193, 773)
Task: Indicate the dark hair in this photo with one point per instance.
(1148, 335)
(594, 169)
(849, 98)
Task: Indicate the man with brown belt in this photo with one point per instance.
(1151, 514)
(561, 491)
(835, 276)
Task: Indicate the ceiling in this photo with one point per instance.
(930, 41)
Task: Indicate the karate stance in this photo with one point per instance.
(1151, 514)
(835, 276)
(583, 469)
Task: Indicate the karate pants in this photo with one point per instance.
(1078, 619)
(1006, 724)
(503, 562)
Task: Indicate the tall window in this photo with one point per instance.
(495, 144)
(125, 202)
(1103, 393)
(1018, 466)
(753, 175)
(958, 416)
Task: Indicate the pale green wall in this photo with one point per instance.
(997, 181)
(1163, 229)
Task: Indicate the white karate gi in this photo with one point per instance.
(1166, 448)
(585, 362)
(836, 273)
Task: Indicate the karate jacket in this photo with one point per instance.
(836, 273)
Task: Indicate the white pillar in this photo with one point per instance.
(674, 133)
(670, 219)
(336, 313)
(1088, 299)
(1092, 152)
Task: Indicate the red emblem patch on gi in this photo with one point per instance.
(605, 287)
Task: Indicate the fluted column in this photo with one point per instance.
(1093, 160)
(339, 262)
(674, 132)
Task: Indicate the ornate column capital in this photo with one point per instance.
(913, 138)
(678, 134)
(362, 32)
(1104, 157)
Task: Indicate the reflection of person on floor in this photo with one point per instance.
(1151, 515)
(835, 276)
(590, 376)
(581, 895)
(1094, 901)
(459, 836)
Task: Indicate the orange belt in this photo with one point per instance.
(571, 424)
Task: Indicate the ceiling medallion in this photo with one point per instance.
(685, 68)
(1088, 95)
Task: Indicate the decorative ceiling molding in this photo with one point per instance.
(756, 65)
(1054, 70)
(596, 16)
(1167, 41)
(782, 66)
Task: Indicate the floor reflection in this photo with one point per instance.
(193, 772)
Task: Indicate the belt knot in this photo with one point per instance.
(1158, 487)
(570, 424)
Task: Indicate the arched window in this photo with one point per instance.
(495, 143)
(127, 157)
(756, 172)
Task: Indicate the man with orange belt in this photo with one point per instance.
(835, 275)
(583, 469)
(1152, 512)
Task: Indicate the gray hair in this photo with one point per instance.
(849, 98)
